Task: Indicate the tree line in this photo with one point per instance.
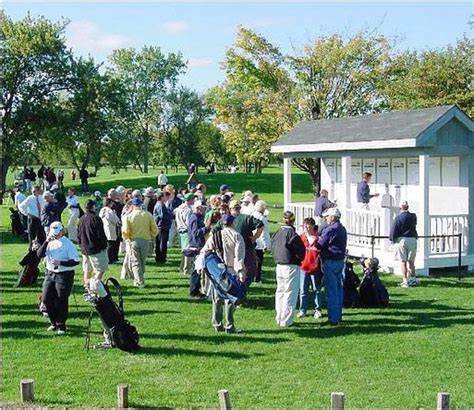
(133, 111)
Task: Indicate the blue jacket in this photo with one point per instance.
(51, 212)
(321, 204)
(197, 231)
(332, 242)
(163, 216)
(404, 225)
(363, 192)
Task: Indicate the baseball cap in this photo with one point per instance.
(55, 228)
(247, 198)
(97, 193)
(199, 203)
(120, 189)
(189, 196)
(224, 187)
(227, 219)
(404, 203)
(137, 201)
(47, 193)
(234, 204)
(332, 212)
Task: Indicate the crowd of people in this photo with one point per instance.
(144, 223)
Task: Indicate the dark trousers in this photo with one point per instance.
(161, 245)
(35, 230)
(56, 290)
(250, 263)
(113, 250)
(258, 275)
(195, 283)
(84, 185)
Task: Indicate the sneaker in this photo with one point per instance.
(103, 345)
(233, 329)
(199, 296)
(52, 328)
(219, 328)
(412, 282)
(301, 314)
(317, 314)
(404, 285)
(61, 332)
(140, 286)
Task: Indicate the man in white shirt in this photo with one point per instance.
(73, 206)
(32, 207)
(19, 198)
(182, 214)
(162, 180)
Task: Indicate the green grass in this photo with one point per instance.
(398, 357)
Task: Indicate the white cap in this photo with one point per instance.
(55, 228)
(120, 189)
(404, 203)
(332, 212)
(97, 193)
(248, 193)
(199, 203)
(47, 193)
(247, 198)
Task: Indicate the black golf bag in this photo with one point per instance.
(119, 331)
(373, 292)
(351, 283)
(29, 271)
(17, 227)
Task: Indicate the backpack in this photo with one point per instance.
(373, 292)
(29, 271)
(227, 285)
(351, 298)
(121, 333)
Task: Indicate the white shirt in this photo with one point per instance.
(162, 179)
(30, 205)
(182, 216)
(61, 250)
(111, 221)
(19, 198)
(264, 240)
(74, 201)
(247, 209)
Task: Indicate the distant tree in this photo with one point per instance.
(35, 72)
(212, 146)
(147, 77)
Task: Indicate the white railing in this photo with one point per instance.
(301, 212)
(364, 223)
(449, 225)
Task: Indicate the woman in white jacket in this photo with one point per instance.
(111, 225)
(264, 241)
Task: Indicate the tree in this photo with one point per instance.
(147, 77)
(212, 146)
(36, 70)
(433, 77)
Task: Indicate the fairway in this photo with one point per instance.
(398, 357)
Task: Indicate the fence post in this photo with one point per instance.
(337, 401)
(372, 245)
(224, 400)
(26, 390)
(443, 401)
(122, 396)
(459, 254)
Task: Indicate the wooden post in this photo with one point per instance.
(26, 390)
(286, 183)
(122, 396)
(224, 400)
(443, 401)
(337, 401)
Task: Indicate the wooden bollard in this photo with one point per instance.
(337, 401)
(224, 400)
(122, 396)
(443, 401)
(26, 390)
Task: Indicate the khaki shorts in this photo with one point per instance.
(405, 249)
(97, 263)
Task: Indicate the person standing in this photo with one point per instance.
(288, 252)
(93, 244)
(41, 176)
(163, 218)
(149, 201)
(32, 207)
(111, 226)
(17, 200)
(51, 211)
(60, 258)
(264, 241)
(320, 205)
(332, 245)
(310, 269)
(84, 177)
(363, 191)
(233, 254)
(404, 235)
(182, 214)
(73, 206)
(162, 180)
(99, 202)
(140, 229)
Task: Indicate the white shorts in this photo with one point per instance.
(97, 263)
(405, 249)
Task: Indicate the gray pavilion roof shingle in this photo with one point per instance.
(392, 125)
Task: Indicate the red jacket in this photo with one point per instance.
(310, 264)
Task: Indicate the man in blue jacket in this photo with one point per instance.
(163, 217)
(332, 244)
(403, 234)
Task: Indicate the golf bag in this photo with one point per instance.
(227, 285)
(373, 292)
(351, 283)
(17, 227)
(29, 271)
(119, 331)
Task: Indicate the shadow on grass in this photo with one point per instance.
(215, 339)
(170, 351)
